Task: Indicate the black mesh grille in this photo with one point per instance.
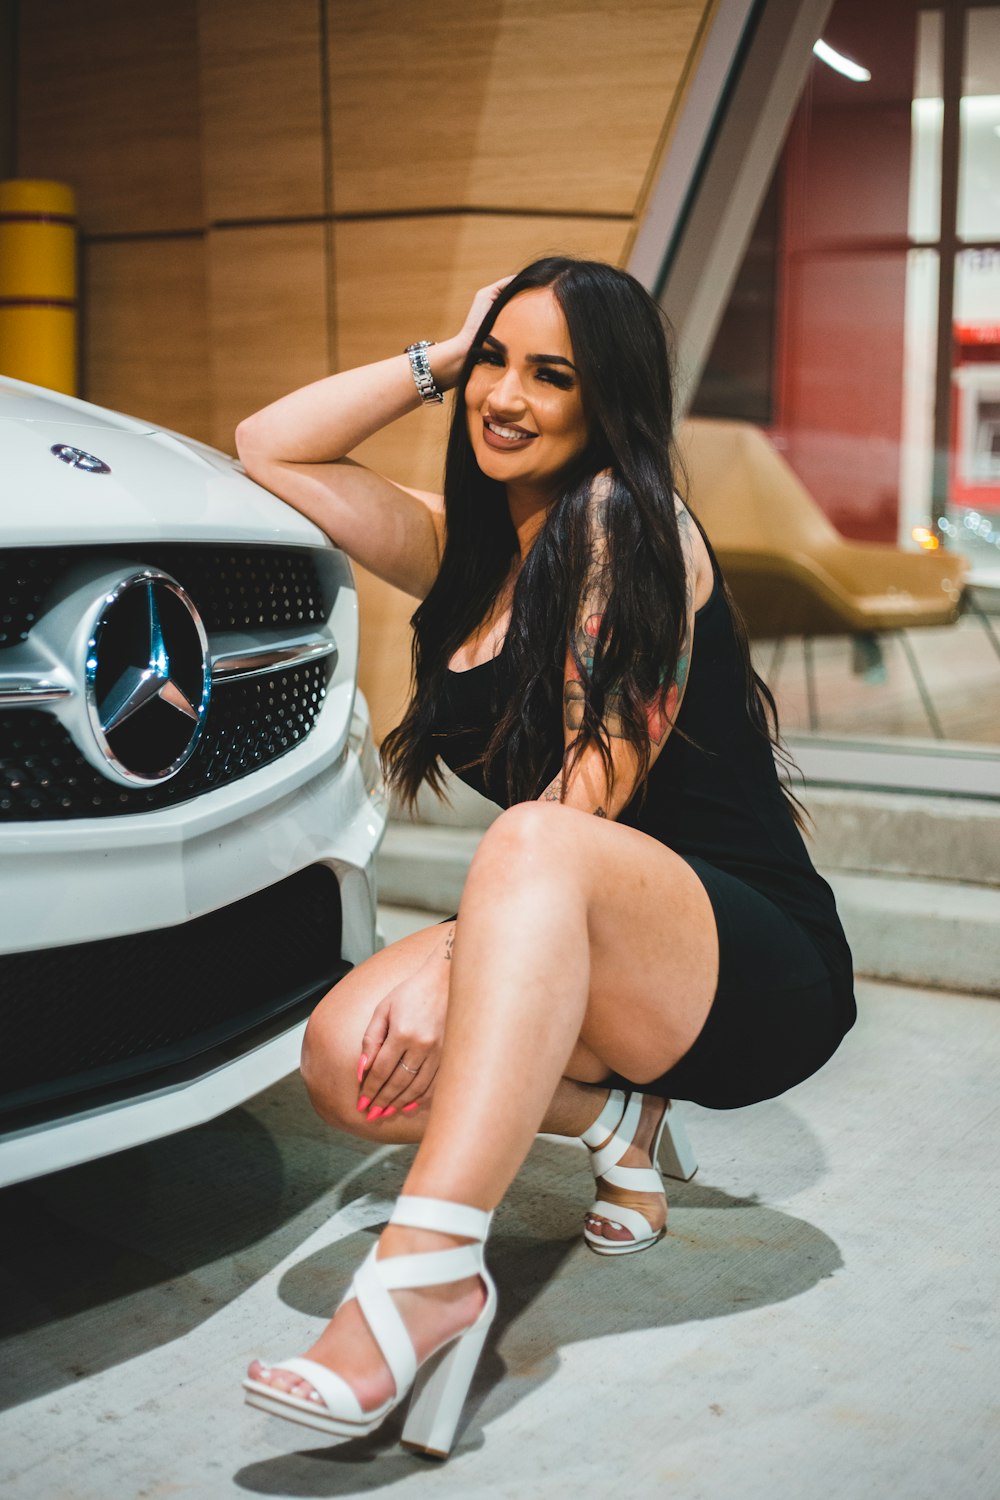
(92, 1015)
(234, 588)
(249, 724)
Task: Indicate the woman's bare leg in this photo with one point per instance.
(616, 955)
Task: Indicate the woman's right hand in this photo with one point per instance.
(481, 304)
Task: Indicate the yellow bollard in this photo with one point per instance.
(38, 283)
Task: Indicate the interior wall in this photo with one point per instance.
(842, 272)
(267, 193)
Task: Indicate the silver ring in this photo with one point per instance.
(406, 1069)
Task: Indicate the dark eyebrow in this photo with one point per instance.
(533, 359)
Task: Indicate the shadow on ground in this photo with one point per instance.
(723, 1255)
(115, 1257)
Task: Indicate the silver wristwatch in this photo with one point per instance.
(422, 377)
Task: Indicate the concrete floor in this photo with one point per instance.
(820, 1322)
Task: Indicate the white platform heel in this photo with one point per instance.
(441, 1383)
(608, 1139)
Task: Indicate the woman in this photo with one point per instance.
(643, 921)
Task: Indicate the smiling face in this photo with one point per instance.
(523, 402)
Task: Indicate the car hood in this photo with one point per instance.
(161, 486)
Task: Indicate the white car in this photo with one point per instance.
(190, 800)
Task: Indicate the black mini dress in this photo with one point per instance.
(785, 995)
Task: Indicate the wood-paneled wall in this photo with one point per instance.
(269, 192)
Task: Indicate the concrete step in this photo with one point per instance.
(933, 838)
(939, 933)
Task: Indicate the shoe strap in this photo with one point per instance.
(634, 1179)
(607, 1121)
(442, 1216)
(375, 1279)
(611, 1154)
(631, 1219)
(430, 1267)
(334, 1390)
(383, 1318)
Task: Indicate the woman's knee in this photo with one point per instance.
(526, 831)
(326, 1066)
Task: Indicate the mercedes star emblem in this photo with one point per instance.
(148, 678)
(79, 460)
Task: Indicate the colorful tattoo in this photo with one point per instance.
(662, 711)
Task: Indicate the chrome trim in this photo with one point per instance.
(28, 692)
(145, 680)
(238, 656)
(31, 676)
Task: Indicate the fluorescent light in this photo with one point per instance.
(841, 64)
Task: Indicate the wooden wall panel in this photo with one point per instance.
(108, 102)
(262, 130)
(461, 142)
(268, 317)
(404, 279)
(552, 108)
(145, 343)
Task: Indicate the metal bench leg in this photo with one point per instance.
(676, 1158)
(918, 678)
(807, 657)
(973, 608)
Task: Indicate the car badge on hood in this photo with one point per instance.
(79, 460)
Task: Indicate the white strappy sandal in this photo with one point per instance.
(608, 1139)
(441, 1383)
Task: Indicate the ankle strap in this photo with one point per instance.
(443, 1216)
(607, 1121)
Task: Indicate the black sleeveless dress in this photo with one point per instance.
(785, 995)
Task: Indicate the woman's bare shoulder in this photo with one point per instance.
(701, 574)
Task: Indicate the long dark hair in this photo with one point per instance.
(623, 366)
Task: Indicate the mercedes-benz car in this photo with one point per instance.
(190, 800)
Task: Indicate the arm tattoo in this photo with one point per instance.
(586, 634)
(554, 791)
(449, 943)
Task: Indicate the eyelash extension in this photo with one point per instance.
(565, 382)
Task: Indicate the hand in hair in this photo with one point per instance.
(481, 304)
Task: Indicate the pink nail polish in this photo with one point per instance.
(387, 1112)
(363, 1104)
(375, 1112)
(361, 1067)
(409, 1108)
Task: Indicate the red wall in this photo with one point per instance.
(842, 267)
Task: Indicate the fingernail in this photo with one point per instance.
(363, 1104)
(409, 1108)
(375, 1112)
(387, 1112)
(361, 1067)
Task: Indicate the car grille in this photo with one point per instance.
(250, 722)
(97, 1015)
(235, 588)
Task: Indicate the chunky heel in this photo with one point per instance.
(440, 1389)
(676, 1158)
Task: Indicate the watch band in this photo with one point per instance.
(423, 379)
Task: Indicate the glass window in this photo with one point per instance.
(863, 336)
